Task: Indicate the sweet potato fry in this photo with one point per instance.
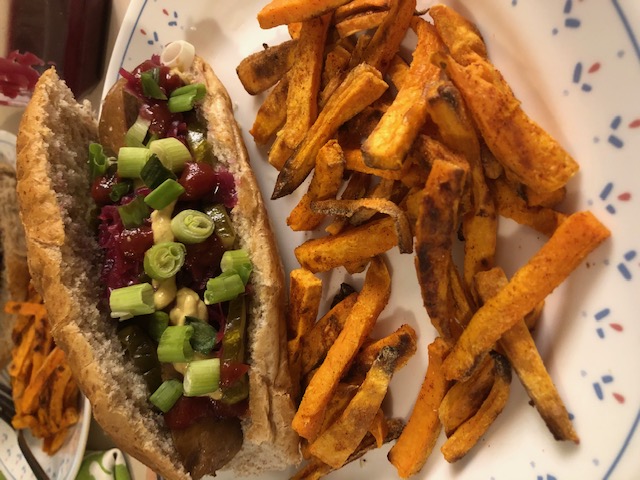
(304, 85)
(436, 225)
(552, 264)
(468, 434)
(390, 141)
(379, 428)
(316, 343)
(284, 12)
(349, 246)
(347, 208)
(360, 22)
(511, 205)
(371, 301)
(354, 159)
(334, 63)
(341, 439)
(305, 292)
(519, 144)
(404, 339)
(362, 86)
(31, 395)
(262, 70)
(271, 114)
(356, 7)
(520, 349)
(325, 183)
(418, 438)
(386, 41)
(356, 188)
(464, 398)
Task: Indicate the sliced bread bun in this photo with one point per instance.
(64, 258)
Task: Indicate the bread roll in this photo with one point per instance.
(64, 258)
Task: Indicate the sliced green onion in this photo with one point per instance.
(202, 377)
(204, 335)
(150, 86)
(154, 173)
(164, 260)
(137, 133)
(156, 324)
(237, 261)
(222, 288)
(98, 161)
(131, 160)
(120, 189)
(132, 300)
(223, 226)
(167, 395)
(167, 192)
(134, 213)
(174, 346)
(192, 226)
(172, 153)
(199, 89)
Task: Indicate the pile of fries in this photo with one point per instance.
(434, 148)
(45, 394)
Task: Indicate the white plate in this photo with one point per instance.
(64, 465)
(576, 67)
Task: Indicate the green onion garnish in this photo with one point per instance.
(132, 300)
(223, 226)
(154, 173)
(204, 335)
(174, 346)
(98, 161)
(134, 213)
(202, 377)
(137, 133)
(167, 395)
(156, 323)
(131, 160)
(172, 153)
(199, 89)
(164, 260)
(182, 103)
(150, 86)
(192, 226)
(120, 189)
(222, 288)
(237, 261)
(167, 192)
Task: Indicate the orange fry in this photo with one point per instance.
(284, 12)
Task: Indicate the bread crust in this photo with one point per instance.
(64, 259)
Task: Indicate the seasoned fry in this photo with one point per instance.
(362, 86)
(468, 434)
(569, 245)
(418, 438)
(520, 349)
(436, 225)
(356, 188)
(347, 208)
(379, 428)
(271, 114)
(316, 343)
(341, 439)
(304, 84)
(305, 292)
(518, 143)
(360, 22)
(404, 339)
(392, 138)
(385, 43)
(325, 183)
(354, 159)
(262, 70)
(284, 12)
(356, 7)
(464, 398)
(511, 205)
(334, 63)
(370, 303)
(354, 245)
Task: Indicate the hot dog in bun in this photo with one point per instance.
(150, 244)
